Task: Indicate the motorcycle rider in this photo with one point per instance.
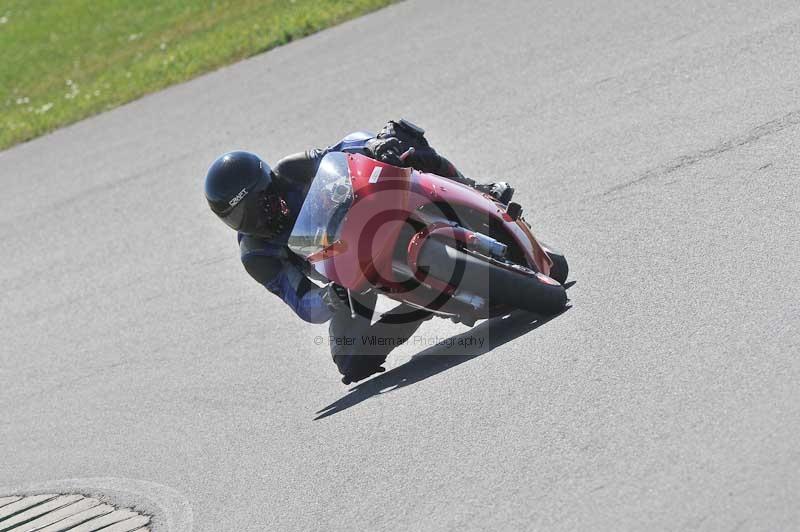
(262, 203)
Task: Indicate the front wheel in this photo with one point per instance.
(522, 289)
(560, 268)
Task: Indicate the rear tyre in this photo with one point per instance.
(500, 286)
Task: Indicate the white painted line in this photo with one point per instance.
(80, 517)
(24, 503)
(62, 513)
(69, 512)
(39, 510)
(129, 525)
(8, 500)
(104, 520)
(174, 508)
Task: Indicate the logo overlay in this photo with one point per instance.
(238, 197)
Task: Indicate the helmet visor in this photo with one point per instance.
(244, 216)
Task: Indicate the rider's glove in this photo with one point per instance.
(335, 296)
(387, 150)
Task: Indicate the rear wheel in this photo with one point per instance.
(517, 287)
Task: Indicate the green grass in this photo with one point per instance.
(64, 60)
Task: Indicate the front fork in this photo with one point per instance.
(352, 307)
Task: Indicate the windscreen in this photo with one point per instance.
(320, 220)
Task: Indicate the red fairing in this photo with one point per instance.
(385, 196)
(380, 208)
(440, 189)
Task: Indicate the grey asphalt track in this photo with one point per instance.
(655, 143)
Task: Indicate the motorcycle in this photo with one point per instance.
(429, 242)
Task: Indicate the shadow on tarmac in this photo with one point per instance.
(459, 349)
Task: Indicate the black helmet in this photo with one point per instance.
(239, 191)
